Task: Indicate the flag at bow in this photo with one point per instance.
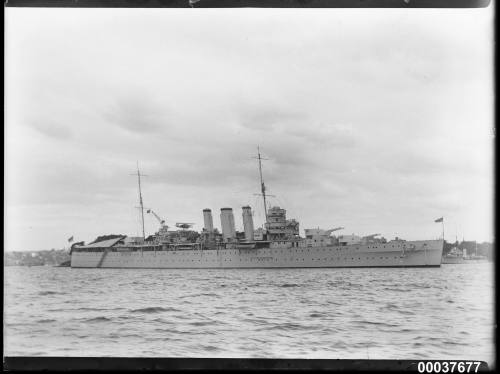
(70, 239)
(439, 219)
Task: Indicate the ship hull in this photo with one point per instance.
(425, 253)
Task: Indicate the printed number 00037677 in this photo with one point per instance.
(448, 366)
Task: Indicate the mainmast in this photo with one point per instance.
(262, 185)
(140, 199)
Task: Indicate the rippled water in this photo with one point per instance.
(410, 313)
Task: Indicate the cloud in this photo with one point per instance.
(269, 118)
(138, 114)
(53, 130)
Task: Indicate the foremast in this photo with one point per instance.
(141, 205)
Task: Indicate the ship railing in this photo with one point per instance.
(92, 249)
(186, 246)
(149, 248)
(122, 249)
(249, 245)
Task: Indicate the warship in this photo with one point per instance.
(277, 244)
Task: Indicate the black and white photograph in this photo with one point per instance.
(250, 183)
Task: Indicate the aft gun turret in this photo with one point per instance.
(371, 239)
(328, 232)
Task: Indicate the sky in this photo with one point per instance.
(379, 121)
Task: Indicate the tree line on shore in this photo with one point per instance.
(472, 247)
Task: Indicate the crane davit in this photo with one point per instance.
(162, 221)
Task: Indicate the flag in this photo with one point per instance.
(439, 220)
(70, 239)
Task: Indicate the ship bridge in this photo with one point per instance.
(278, 227)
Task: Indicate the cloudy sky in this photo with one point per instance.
(376, 120)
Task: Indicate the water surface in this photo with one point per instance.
(431, 313)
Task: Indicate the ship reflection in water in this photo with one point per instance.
(345, 313)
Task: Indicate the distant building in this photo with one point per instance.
(470, 246)
(486, 249)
